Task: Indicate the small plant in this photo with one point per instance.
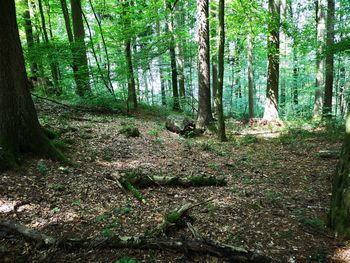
(126, 260)
(42, 168)
(273, 196)
(56, 210)
(249, 139)
(314, 223)
(123, 211)
(129, 130)
(103, 217)
(154, 132)
(107, 155)
(108, 232)
(57, 187)
(77, 202)
(214, 166)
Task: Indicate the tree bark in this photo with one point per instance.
(205, 116)
(132, 98)
(320, 62)
(283, 55)
(160, 61)
(271, 104)
(327, 107)
(19, 125)
(221, 68)
(79, 54)
(29, 37)
(340, 201)
(172, 53)
(250, 40)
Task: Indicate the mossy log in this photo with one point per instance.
(199, 247)
(143, 181)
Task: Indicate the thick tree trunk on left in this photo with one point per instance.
(19, 125)
(340, 202)
(205, 116)
(271, 104)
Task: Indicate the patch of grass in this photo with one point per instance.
(249, 139)
(273, 197)
(154, 132)
(57, 187)
(107, 155)
(42, 168)
(213, 165)
(314, 223)
(56, 210)
(172, 217)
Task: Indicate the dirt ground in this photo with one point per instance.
(276, 200)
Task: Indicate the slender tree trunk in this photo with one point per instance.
(180, 61)
(214, 57)
(132, 98)
(320, 62)
(174, 72)
(19, 125)
(271, 104)
(342, 91)
(295, 76)
(205, 116)
(327, 107)
(79, 54)
(29, 37)
(250, 72)
(53, 64)
(221, 53)
(283, 56)
(160, 61)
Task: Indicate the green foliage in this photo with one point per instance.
(56, 210)
(103, 217)
(172, 217)
(123, 210)
(42, 168)
(126, 260)
(57, 187)
(136, 193)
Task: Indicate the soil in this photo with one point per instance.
(275, 203)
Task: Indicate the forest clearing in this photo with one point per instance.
(275, 202)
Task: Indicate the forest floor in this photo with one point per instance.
(276, 200)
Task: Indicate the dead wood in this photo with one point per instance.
(200, 247)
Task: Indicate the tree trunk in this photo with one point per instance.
(340, 201)
(79, 54)
(160, 62)
(250, 72)
(174, 73)
(53, 64)
(221, 53)
(271, 104)
(180, 56)
(19, 125)
(283, 56)
(29, 37)
(132, 98)
(320, 63)
(205, 116)
(327, 107)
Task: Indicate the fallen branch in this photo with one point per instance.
(329, 154)
(200, 247)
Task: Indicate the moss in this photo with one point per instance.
(134, 191)
(172, 217)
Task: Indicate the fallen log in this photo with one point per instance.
(200, 247)
(329, 154)
(147, 181)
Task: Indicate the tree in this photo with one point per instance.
(271, 104)
(327, 106)
(19, 126)
(320, 63)
(205, 116)
(132, 98)
(79, 54)
(250, 40)
(172, 53)
(340, 201)
(221, 52)
(29, 37)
